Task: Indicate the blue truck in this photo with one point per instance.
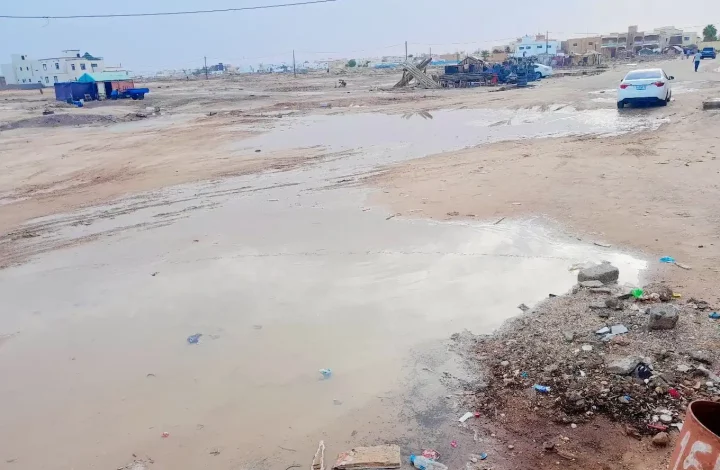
(133, 93)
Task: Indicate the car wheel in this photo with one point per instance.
(538, 75)
(620, 104)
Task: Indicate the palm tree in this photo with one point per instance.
(485, 54)
(710, 33)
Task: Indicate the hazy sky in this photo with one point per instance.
(346, 28)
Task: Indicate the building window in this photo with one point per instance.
(72, 66)
(686, 38)
(47, 80)
(590, 43)
(57, 66)
(44, 66)
(22, 57)
(540, 47)
(23, 80)
(21, 69)
(82, 66)
(575, 44)
(93, 66)
(55, 78)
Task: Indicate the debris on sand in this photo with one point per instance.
(387, 456)
(630, 369)
(194, 339)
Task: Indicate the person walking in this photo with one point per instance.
(698, 58)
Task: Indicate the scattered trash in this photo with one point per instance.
(658, 427)
(387, 456)
(637, 293)
(499, 220)
(587, 348)
(714, 315)
(216, 452)
(604, 245)
(165, 434)
(477, 414)
(676, 295)
(524, 375)
(483, 456)
(667, 259)
(326, 373)
(431, 454)
(318, 462)
(466, 416)
(625, 399)
(337, 402)
(155, 273)
(150, 375)
(674, 393)
(423, 463)
(453, 444)
(523, 307)
(683, 266)
(194, 339)
(542, 388)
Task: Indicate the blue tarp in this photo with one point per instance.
(74, 90)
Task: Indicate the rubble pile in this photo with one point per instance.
(638, 356)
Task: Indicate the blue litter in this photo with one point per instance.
(326, 373)
(714, 315)
(194, 339)
(483, 456)
(667, 259)
(524, 375)
(541, 388)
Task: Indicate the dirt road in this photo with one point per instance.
(299, 226)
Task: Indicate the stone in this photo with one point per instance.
(604, 314)
(573, 425)
(664, 292)
(618, 329)
(623, 365)
(683, 368)
(661, 439)
(551, 368)
(713, 103)
(591, 284)
(505, 363)
(548, 445)
(603, 331)
(665, 419)
(701, 356)
(601, 290)
(586, 347)
(624, 400)
(614, 303)
(662, 317)
(605, 273)
(511, 447)
(387, 456)
(569, 336)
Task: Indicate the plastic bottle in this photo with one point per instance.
(423, 463)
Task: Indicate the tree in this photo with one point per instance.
(507, 49)
(485, 54)
(710, 33)
(351, 63)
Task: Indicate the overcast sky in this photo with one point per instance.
(345, 28)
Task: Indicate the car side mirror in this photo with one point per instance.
(671, 77)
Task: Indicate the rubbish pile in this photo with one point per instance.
(638, 356)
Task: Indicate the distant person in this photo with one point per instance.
(698, 58)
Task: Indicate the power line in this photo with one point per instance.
(167, 13)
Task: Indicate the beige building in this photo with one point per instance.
(582, 45)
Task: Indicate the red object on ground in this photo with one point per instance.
(674, 393)
(165, 434)
(431, 454)
(659, 427)
(453, 444)
(477, 414)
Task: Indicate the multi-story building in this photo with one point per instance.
(530, 46)
(582, 45)
(67, 67)
(656, 40)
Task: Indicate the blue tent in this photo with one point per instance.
(74, 90)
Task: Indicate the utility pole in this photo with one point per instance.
(405, 51)
(294, 72)
(431, 52)
(206, 73)
(547, 42)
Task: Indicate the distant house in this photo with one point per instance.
(107, 82)
(66, 67)
(529, 46)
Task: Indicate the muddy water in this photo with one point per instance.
(282, 278)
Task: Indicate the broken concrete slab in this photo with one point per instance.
(591, 284)
(623, 365)
(387, 456)
(604, 272)
(662, 317)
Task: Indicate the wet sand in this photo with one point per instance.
(284, 272)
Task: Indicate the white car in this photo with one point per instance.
(542, 71)
(645, 86)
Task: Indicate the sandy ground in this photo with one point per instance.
(272, 214)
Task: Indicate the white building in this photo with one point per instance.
(68, 67)
(529, 46)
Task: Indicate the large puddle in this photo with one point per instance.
(282, 278)
(391, 138)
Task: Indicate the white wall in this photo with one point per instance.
(533, 48)
(48, 71)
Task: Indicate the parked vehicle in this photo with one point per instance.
(134, 93)
(648, 86)
(542, 71)
(708, 53)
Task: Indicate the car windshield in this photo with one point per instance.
(708, 49)
(641, 74)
